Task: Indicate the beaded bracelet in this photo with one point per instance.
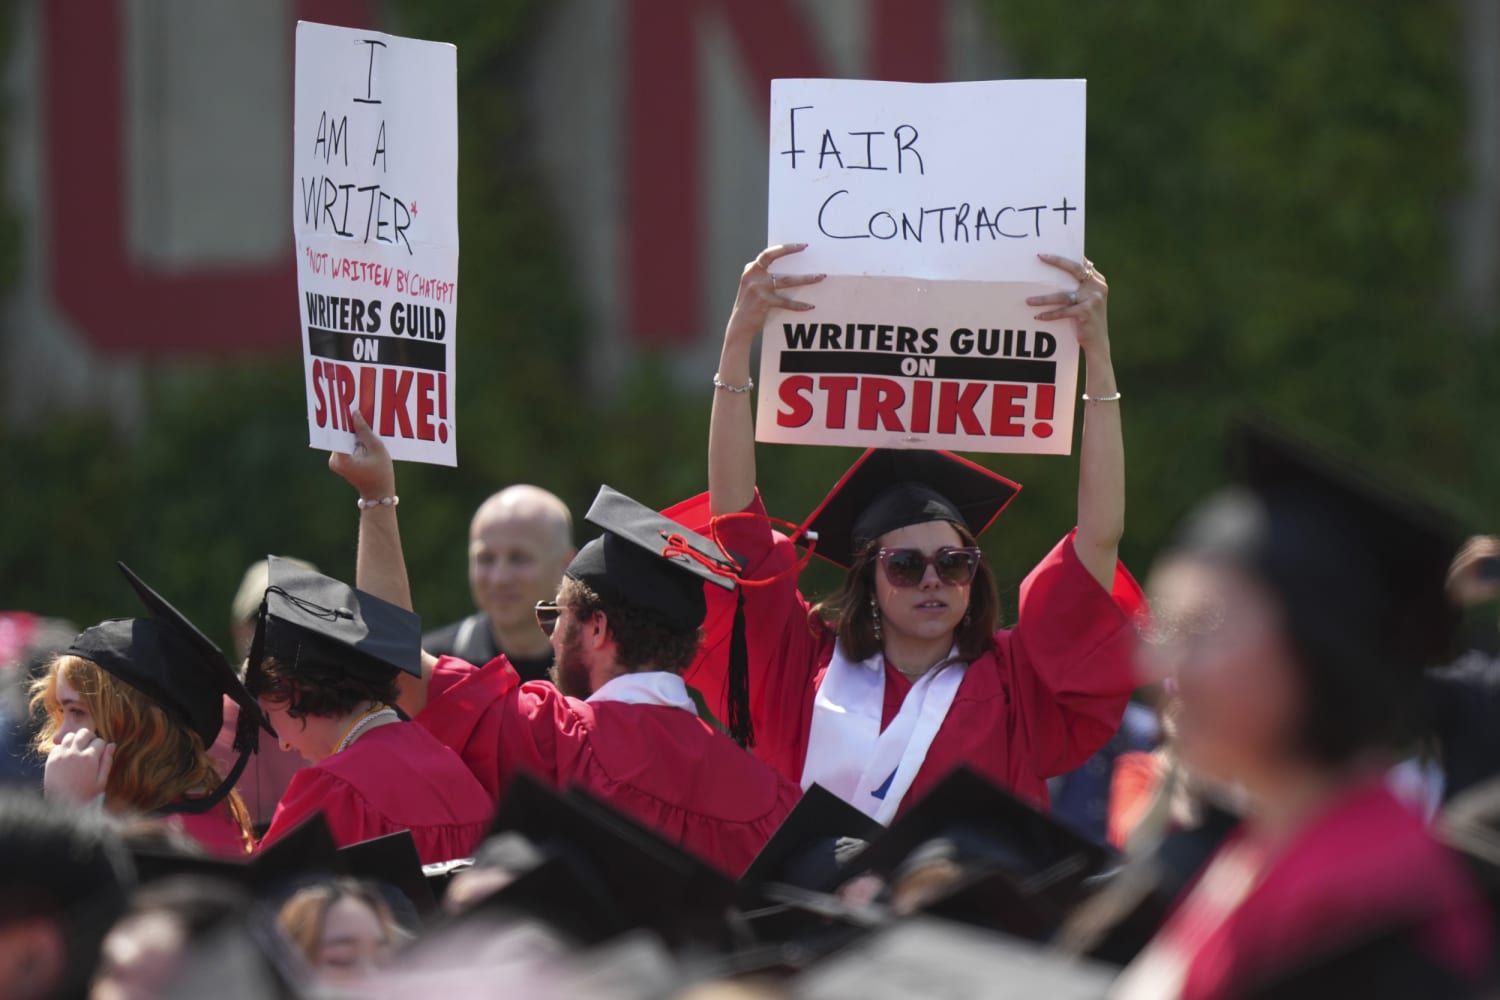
(749, 384)
(381, 502)
(1112, 398)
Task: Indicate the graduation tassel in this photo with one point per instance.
(740, 727)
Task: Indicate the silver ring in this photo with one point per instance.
(1073, 297)
(1088, 271)
(773, 282)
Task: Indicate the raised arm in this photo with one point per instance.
(380, 566)
(1101, 459)
(731, 433)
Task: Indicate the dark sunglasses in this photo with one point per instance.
(906, 567)
(547, 613)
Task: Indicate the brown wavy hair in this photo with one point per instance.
(641, 637)
(847, 611)
(158, 760)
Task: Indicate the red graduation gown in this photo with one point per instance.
(663, 766)
(1040, 702)
(1365, 864)
(215, 830)
(394, 777)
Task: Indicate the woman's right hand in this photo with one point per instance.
(77, 769)
(761, 291)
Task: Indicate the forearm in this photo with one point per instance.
(731, 432)
(1101, 472)
(380, 569)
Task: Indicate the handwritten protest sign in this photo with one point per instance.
(375, 211)
(926, 205)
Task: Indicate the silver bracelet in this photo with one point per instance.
(1113, 398)
(749, 384)
(378, 502)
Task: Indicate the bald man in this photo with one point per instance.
(520, 541)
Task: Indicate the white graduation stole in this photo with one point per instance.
(651, 687)
(846, 751)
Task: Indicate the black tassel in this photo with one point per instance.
(740, 727)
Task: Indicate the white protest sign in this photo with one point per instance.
(375, 212)
(926, 205)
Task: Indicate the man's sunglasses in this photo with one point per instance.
(907, 567)
(547, 613)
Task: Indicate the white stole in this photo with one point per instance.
(846, 751)
(650, 687)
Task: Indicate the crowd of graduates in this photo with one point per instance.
(652, 767)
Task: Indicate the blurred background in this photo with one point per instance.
(1297, 206)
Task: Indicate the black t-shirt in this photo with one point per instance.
(471, 639)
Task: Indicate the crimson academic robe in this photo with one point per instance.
(214, 830)
(394, 777)
(1040, 702)
(661, 765)
(1365, 865)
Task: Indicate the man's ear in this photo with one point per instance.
(597, 631)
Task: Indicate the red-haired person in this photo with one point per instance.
(131, 709)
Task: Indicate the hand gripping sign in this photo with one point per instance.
(375, 212)
(926, 205)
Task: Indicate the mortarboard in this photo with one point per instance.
(980, 824)
(306, 850)
(313, 620)
(926, 956)
(886, 489)
(167, 658)
(1357, 566)
(647, 561)
(805, 849)
(653, 883)
(392, 860)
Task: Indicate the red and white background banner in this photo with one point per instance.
(375, 212)
(926, 205)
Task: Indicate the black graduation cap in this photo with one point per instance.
(926, 956)
(314, 620)
(806, 847)
(886, 489)
(648, 561)
(989, 829)
(306, 850)
(392, 860)
(1357, 566)
(167, 658)
(653, 883)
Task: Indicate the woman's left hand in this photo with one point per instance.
(368, 466)
(77, 769)
(1088, 304)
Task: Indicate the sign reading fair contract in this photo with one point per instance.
(926, 205)
(375, 210)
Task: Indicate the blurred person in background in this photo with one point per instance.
(1463, 698)
(342, 928)
(64, 878)
(1316, 597)
(147, 951)
(27, 644)
(520, 541)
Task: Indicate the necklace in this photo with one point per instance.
(364, 724)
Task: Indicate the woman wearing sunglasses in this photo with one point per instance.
(904, 674)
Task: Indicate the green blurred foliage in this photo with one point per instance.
(1270, 190)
